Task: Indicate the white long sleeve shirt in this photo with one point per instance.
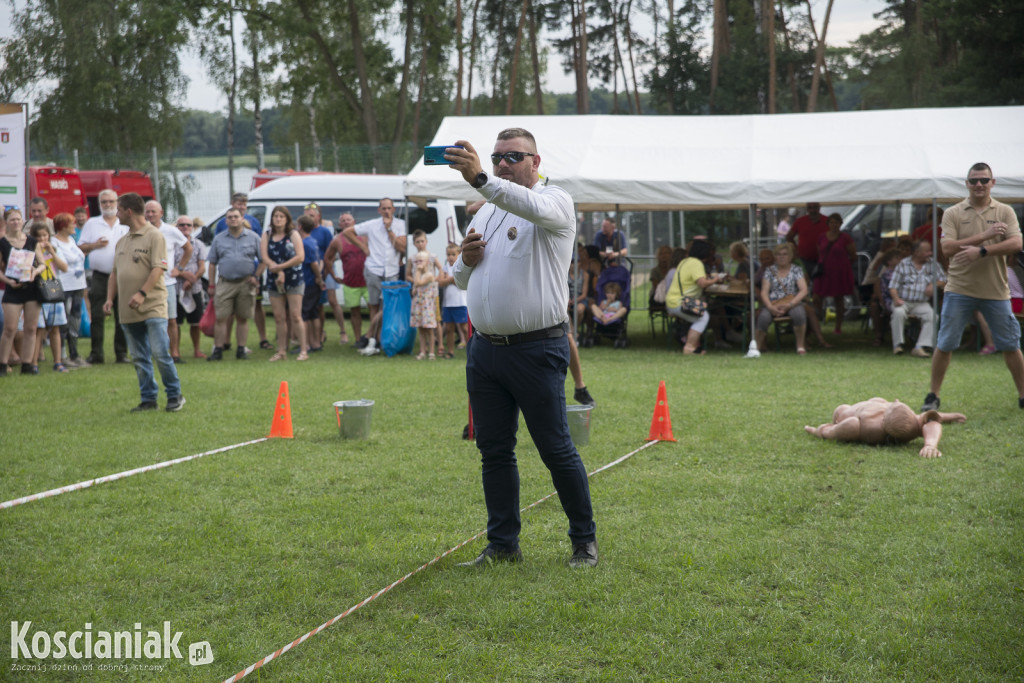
(520, 285)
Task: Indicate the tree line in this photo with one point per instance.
(107, 75)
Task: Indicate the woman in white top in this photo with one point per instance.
(73, 281)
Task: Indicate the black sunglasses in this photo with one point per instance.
(975, 181)
(510, 157)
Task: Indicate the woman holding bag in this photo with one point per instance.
(684, 297)
(20, 296)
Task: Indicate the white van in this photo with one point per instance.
(337, 193)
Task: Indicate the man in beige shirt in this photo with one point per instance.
(978, 236)
(140, 261)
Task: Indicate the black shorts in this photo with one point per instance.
(311, 303)
(196, 314)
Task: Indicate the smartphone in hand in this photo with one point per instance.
(433, 155)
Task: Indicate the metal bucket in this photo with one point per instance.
(579, 423)
(354, 418)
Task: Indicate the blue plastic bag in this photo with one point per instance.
(85, 329)
(396, 335)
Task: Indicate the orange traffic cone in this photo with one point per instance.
(661, 423)
(281, 427)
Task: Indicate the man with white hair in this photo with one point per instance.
(99, 237)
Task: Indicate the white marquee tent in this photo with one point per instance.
(703, 162)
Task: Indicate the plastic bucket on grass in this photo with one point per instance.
(579, 423)
(354, 418)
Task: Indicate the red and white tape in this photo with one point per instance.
(120, 475)
(298, 641)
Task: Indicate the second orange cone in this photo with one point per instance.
(661, 423)
(281, 427)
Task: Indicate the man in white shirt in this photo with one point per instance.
(176, 242)
(99, 237)
(385, 245)
(513, 265)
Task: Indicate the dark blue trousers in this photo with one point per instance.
(529, 377)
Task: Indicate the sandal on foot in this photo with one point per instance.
(59, 367)
(302, 356)
(278, 356)
(801, 351)
(431, 356)
(421, 356)
(986, 350)
(266, 345)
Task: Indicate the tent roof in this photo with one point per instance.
(703, 162)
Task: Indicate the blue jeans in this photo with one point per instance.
(148, 340)
(502, 380)
(958, 311)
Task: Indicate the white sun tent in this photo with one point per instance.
(703, 162)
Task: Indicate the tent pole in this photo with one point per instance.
(752, 222)
(935, 255)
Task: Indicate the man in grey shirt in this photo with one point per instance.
(234, 282)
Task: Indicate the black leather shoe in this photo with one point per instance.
(491, 555)
(583, 555)
(583, 397)
(93, 359)
(216, 354)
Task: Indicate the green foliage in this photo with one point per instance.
(106, 74)
(955, 54)
(747, 550)
(678, 81)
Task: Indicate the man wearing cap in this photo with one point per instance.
(512, 266)
(240, 201)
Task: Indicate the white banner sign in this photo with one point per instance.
(12, 155)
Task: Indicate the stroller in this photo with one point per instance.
(620, 271)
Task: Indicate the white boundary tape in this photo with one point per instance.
(120, 475)
(298, 641)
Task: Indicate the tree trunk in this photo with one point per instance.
(257, 104)
(419, 98)
(472, 60)
(790, 72)
(720, 46)
(403, 88)
(819, 55)
(367, 108)
(769, 12)
(514, 74)
(318, 156)
(632, 62)
(460, 45)
(231, 103)
(535, 61)
(581, 74)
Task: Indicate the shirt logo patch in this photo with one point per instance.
(512, 233)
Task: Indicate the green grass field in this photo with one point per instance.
(747, 550)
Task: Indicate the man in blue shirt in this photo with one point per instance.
(240, 201)
(610, 241)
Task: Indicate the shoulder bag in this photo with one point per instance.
(50, 289)
(691, 305)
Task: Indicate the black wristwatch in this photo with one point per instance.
(983, 251)
(144, 295)
(481, 180)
